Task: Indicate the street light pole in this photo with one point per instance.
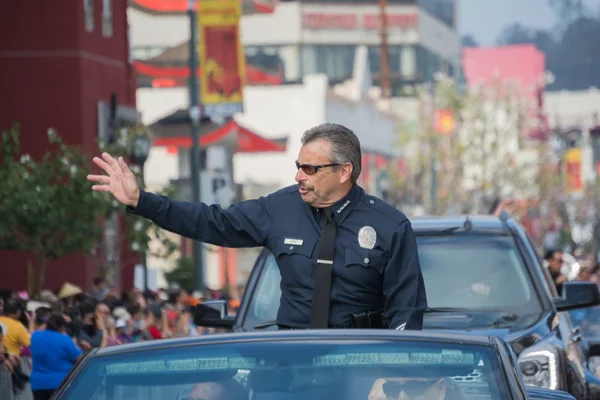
(143, 256)
(139, 152)
(194, 112)
(384, 73)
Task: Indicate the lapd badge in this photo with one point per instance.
(367, 237)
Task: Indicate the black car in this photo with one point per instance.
(482, 275)
(587, 324)
(323, 364)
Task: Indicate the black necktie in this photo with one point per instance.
(319, 318)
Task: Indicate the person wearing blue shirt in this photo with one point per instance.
(347, 259)
(53, 355)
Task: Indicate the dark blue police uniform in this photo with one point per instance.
(382, 275)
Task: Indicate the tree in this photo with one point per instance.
(47, 207)
(572, 54)
(469, 41)
(182, 274)
(482, 158)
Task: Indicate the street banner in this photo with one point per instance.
(222, 60)
(573, 177)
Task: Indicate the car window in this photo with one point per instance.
(338, 369)
(588, 320)
(264, 304)
(476, 271)
(549, 285)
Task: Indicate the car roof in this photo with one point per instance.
(300, 334)
(458, 223)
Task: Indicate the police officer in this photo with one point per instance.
(327, 235)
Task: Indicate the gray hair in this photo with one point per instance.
(345, 146)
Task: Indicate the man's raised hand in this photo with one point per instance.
(120, 181)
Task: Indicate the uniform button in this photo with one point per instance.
(366, 260)
(372, 201)
(291, 247)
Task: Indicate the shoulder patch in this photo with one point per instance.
(384, 208)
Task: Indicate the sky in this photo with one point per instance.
(485, 19)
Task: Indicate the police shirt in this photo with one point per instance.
(375, 267)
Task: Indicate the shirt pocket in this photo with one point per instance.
(294, 257)
(293, 245)
(370, 259)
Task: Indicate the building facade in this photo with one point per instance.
(308, 37)
(299, 38)
(64, 75)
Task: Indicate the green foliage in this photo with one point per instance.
(461, 172)
(570, 47)
(182, 274)
(47, 207)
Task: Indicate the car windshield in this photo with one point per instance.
(476, 271)
(278, 369)
(473, 271)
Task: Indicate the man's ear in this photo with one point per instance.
(441, 389)
(346, 170)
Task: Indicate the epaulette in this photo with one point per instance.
(384, 208)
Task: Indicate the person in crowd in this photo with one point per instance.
(92, 333)
(16, 335)
(53, 354)
(229, 389)
(42, 314)
(154, 321)
(123, 331)
(555, 261)
(416, 389)
(99, 290)
(7, 366)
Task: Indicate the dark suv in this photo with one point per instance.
(482, 275)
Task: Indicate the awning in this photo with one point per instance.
(253, 74)
(181, 6)
(174, 131)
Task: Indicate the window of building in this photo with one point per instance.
(428, 64)
(146, 52)
(276, 60)
(88, 8)
(107, 18)
(335, 61)
(408, 59)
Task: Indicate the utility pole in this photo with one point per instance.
(194, 112)
(384, 74)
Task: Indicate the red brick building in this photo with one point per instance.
(61, 63)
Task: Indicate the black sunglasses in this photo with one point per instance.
(411, 388)
(312, 169)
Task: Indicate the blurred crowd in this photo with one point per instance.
(41, 339)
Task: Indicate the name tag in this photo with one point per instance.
(295, 242)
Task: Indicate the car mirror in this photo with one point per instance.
(213, 314)
(536, 393)
(577, 295)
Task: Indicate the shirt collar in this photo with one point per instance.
(344, 206)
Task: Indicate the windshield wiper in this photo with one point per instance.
(265, 325)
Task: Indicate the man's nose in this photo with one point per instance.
(300, 176)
